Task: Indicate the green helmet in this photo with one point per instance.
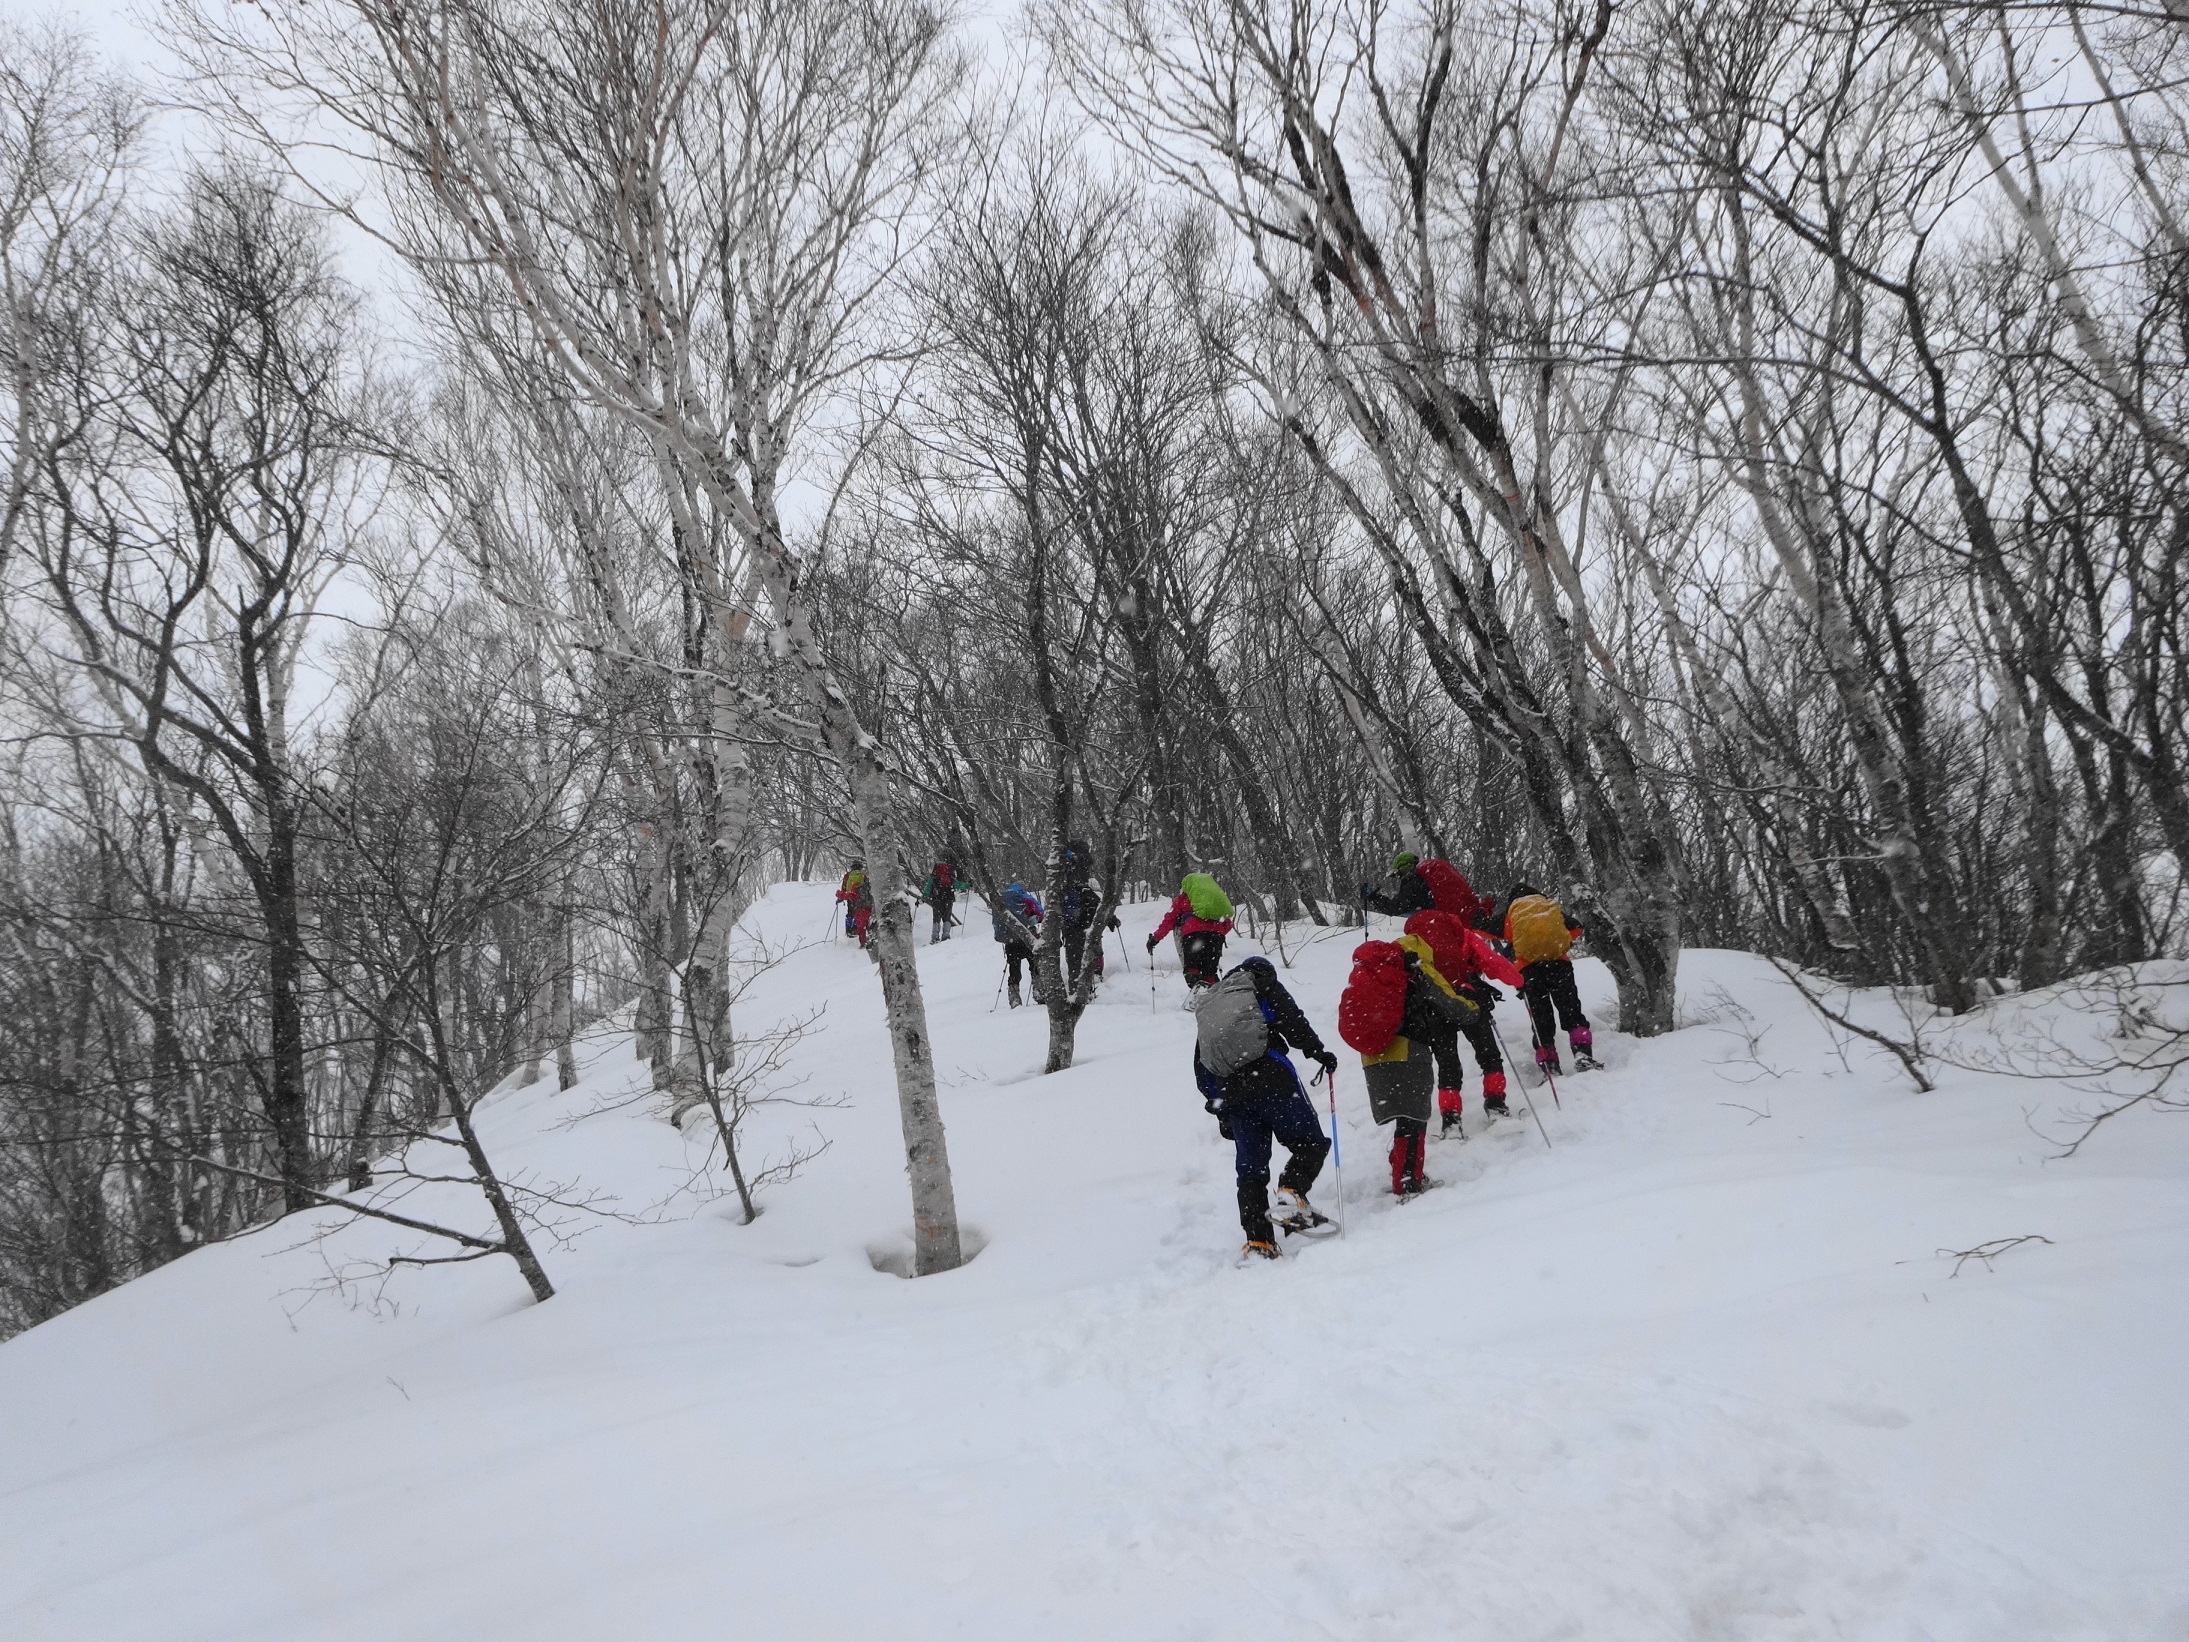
(1405, 861)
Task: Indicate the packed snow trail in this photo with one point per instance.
(1698, 1371)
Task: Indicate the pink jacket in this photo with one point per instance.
(1181, 917)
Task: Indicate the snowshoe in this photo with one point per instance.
(1452, 1126)
(1256, 1249)
(1496, 1108)
(1294, 1213)
(1587, 1063)
(1414, 1188)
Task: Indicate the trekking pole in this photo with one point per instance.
(999, 988)
(1337, 1158)
(1549, 1076)
(1503, 1054)
(1124, 950)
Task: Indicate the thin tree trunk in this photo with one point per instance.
(368, 1112)
(562, 1016)
(514, 1241)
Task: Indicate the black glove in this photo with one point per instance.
(1367, 890)
(1151, 943)
(1114, 924)
(1326, 1060)
(1223, 1126)
(1489, 994)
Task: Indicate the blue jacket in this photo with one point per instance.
(1021, 901)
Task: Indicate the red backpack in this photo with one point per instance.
(1374, 1004)
(1447, 938)
(1448, 887)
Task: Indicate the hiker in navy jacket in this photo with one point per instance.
(1263, 1101)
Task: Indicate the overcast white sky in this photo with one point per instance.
(112, 22)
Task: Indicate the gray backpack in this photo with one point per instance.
(1230, 1030)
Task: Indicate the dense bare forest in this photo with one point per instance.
(1727, 463)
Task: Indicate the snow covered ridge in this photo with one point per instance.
(1713, 1364)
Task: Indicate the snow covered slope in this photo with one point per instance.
(1698, 1370)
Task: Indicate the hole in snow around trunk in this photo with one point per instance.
(892, 1255)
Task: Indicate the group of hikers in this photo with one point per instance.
(1406, 1006)
(1015, 919)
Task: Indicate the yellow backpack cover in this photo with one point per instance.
(1536, 925)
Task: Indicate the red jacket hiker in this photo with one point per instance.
(1465, 957)
(1181, 918)
(1200, 940)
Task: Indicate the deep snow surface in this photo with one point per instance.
(1698, 1370)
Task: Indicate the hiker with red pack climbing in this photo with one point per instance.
(1416, 885)
(1243, 1028)
(1396, 1004)
(1201, 915)
(941, 893)
(1465, 957)
(857, 894)
(1404, 892)
(1541, 937)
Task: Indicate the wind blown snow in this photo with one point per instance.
(1705, 1367)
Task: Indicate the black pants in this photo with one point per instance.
(1016, 953)
(942, 905)
(1548, 986)
(1451, 1070)
(1075, 945)
(1201, 954)
(1257, 1119)
(1482, 1036)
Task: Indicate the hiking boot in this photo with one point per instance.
(1016, 1000)
(1257, 1249)
(1583, 1061)
(1497, 1107)
(1451, 1125)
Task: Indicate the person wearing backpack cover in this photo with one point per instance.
(1202, 916)
(1424, 886)
(1244, 1026)
(941, 893)
(1404, 892)
(1395, 1005)
(1541, 937)
(1465, 957)
(1017, 952)
(858, 898)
